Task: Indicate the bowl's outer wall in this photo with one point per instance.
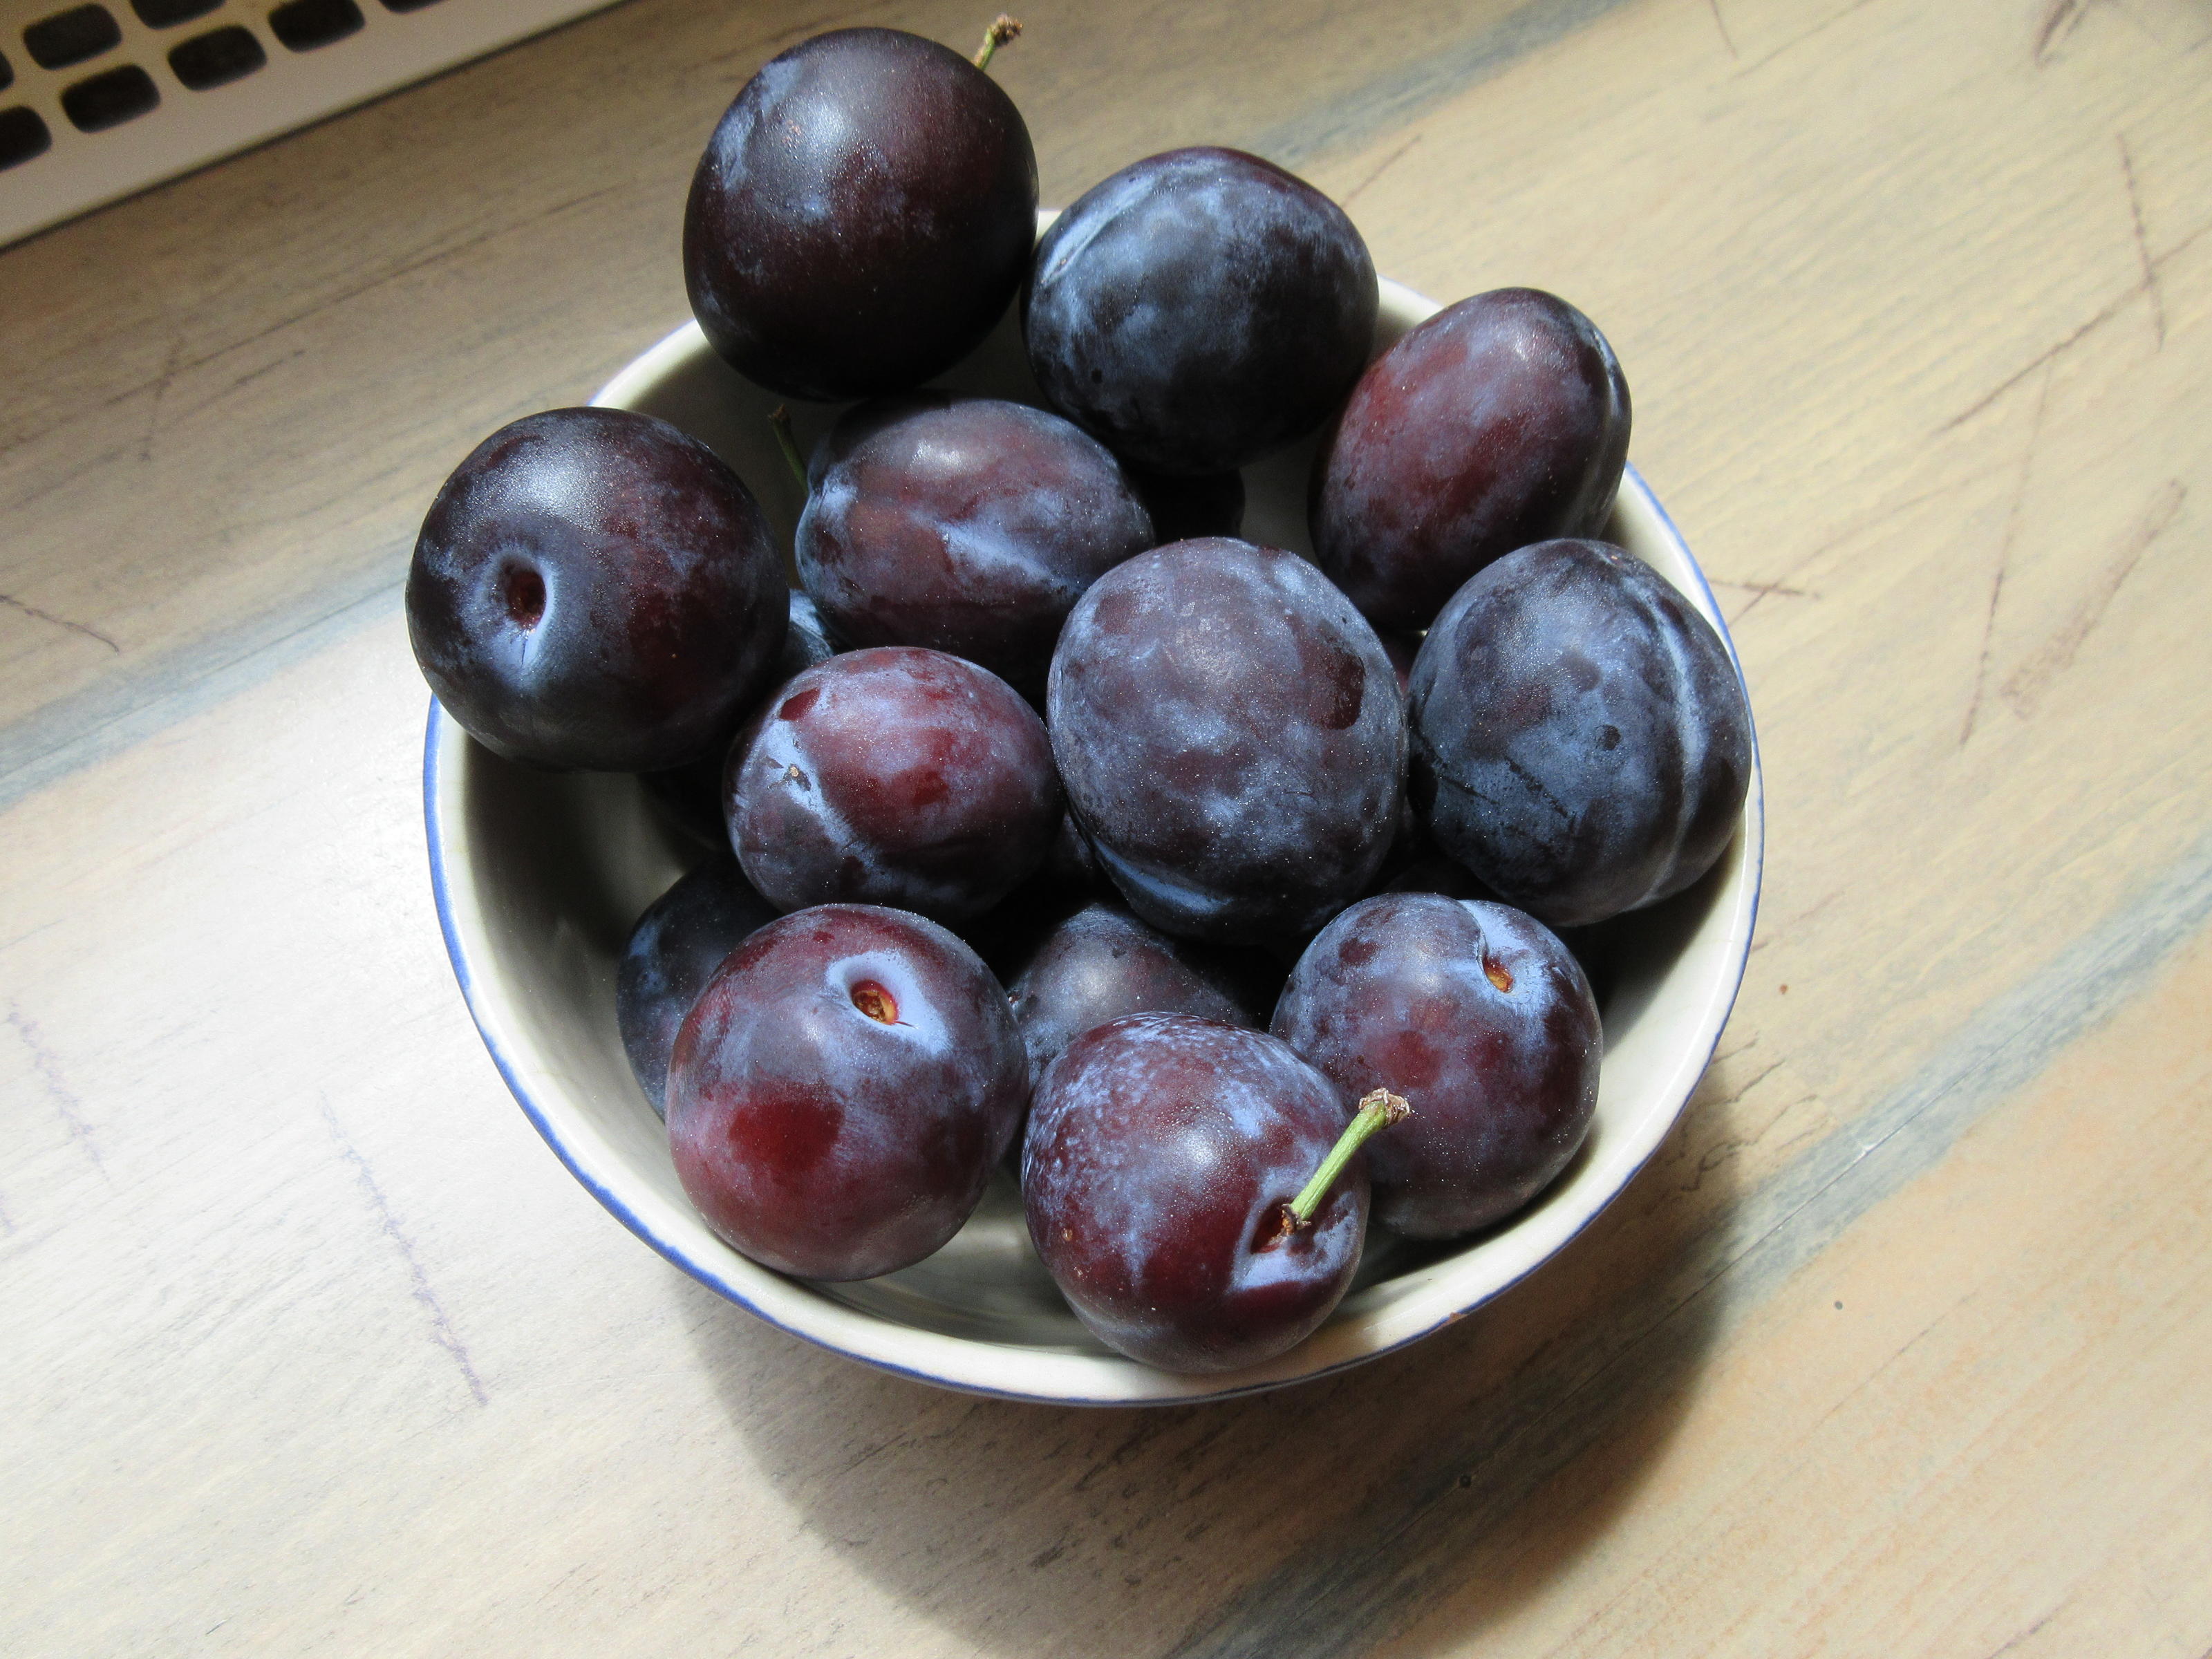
(538, 876)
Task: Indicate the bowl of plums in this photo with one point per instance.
(1098, 806)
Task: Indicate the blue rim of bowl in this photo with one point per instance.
(615, 1205)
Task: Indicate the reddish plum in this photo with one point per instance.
(1162, 1151)
(1477, 1015)
(841, 1091)
(1501, 420)
(895, 776)
(967, 525)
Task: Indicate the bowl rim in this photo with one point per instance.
(973, 1365)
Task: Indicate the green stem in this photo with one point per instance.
(781, 420)
(1003, 28)
(1377, 1111)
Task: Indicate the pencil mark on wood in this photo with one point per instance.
(176, 368)
(1720, 23)
(85, 629)
(2025, 689)
(2030, 1631)
(1873, 520)
(1797, 40)
(2142, 242)
(2004, 560)
(1784, 929)
(441, 1327)
(1760, 591)
(2080, 334)
(2061, 20)
(65, 1103)
(162, 384)
(1389, 161)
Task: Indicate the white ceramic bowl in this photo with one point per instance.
(538, 876)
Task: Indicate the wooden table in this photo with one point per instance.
(1903, 1345)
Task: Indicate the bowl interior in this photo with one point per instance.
(539, 876)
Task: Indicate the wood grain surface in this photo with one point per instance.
(1902, 1346)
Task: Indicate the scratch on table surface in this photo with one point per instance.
(441, 1327)
(2030, 1631)
(2061, 20)
(2005, 559)
(1796, 41)
(1389, 161)
(1720, 23)
(85, 629)
(1782, 930)
(57, 1090)
(2045, 358)
(2142, 241)
(2025, 689)
(1874, 520)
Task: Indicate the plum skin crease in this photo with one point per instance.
(861, 217)
(1500, 421)
(1160, 1152)
(1480, 1018)
(1581, 739)
(819, 1138)
(594, 589)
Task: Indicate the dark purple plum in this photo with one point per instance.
(1231, 739)
(895, 776)
(1184, 509)
(594, 589)
(1499, 422)
(1101, 964)
(1480, 1018)
(862, 215)
(842, 1090)
(1581, 739)
(693, 794)
(1161, 1151)
(964, 524)
(1198, 310)
(672, 952)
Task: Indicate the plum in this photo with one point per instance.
(1198, 310)
(673, 950)
(1161, 1153)
(594, 589)
(1500, 421)
(842, 1090)
(862, 215)
(1101, 964)
(1231, 740)
(1480, 1018)
(893, 775)
(964, 524)
(1582, 741)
